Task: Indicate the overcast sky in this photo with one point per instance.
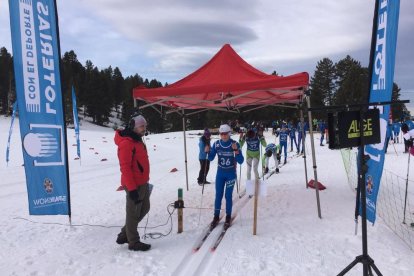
(169, 39)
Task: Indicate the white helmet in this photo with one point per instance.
(224, 128)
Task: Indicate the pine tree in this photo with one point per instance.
(5, 80)
(398, 110)
(322, 84)
(118, 87)
(73, 76)
(351, 82)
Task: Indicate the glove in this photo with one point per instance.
(234, 146)
(410, 143)
(266, 170)
(133, 195)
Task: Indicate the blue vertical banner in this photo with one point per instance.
(380, 91)
(36, 58)
(76, 121)
(10, 132)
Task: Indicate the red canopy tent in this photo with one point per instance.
(226, 82)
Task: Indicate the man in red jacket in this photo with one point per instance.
(135, 169)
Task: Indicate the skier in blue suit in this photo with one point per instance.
(396, 127)
(299, 128)
(292, 135)
(283, 137)
(228, 153)
(322, 128)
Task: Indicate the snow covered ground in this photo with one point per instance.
(290, 240)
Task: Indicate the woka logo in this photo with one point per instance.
(40, 144)
(45, 145)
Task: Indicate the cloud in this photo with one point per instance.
(169, 39)
(266, 33)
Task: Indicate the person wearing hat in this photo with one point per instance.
(135, 169)
(253, 140)
(292, 135)
(302, 127)
(322, 128)
(228, 153)
(408, 136)
(271, 150)
(283, 138)
(204, 147)
(396, 126)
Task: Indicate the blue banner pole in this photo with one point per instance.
(10, 132)
(76, 122)
(64, 114)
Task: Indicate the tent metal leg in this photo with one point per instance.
(185, 151)
(302, 121)
(315, 173)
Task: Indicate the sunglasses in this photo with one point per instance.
(224, 133)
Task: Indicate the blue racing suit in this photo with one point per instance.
(292, 135)
(283, 137)
(322, 127)
(226, 172)
(396, 129)
(299, 128)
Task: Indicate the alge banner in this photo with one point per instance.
(380, 91)
(36, 66)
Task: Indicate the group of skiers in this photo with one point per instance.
(229, 153)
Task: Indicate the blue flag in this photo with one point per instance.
(10, 132)
(76, 121)
(36, 58)
(380, 91)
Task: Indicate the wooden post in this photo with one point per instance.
(180, 211)
(256, 194)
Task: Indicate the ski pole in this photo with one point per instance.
(202, 190)
(393, 144)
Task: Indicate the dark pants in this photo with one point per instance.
(293, 139)
(204, 168)
(387, 141)
(135, 213)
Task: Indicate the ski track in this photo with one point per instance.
(201, 260)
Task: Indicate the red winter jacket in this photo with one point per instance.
(133, 159)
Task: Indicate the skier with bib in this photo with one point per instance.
(253, 141)
(228, 153)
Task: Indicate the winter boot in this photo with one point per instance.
(122, 238)
(139, 246)
(227, 223)
(277, 170)
(284, 163)
(214, 222)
